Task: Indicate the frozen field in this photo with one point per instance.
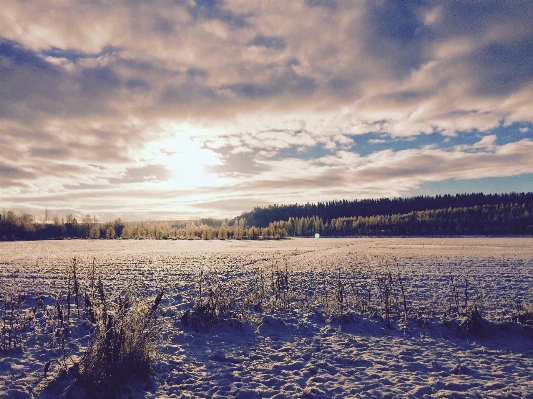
(320, 329)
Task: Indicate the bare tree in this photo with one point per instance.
(110, 232)
(47, 215)
(70, 218)
(87, 219)
(94, 232)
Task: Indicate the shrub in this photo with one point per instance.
(124, 345)
(472, 324)
(208, 311)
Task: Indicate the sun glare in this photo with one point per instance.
(186, 158)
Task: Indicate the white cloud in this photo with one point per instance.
(486, 142)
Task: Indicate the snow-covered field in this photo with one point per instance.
(325, 333)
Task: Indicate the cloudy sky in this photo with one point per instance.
(186, 109)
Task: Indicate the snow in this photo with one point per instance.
(304, 351)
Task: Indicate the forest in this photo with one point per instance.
(464, 214)
(262, 217)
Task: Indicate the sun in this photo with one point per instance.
(186, 157)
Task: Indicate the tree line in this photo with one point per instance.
(515, 218)
(502, 219)
(24, 226)
(263, 216)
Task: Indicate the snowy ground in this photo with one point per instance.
(307, 351)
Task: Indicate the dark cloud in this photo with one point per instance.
(474, 18)
(342, 87)
(196, 72)
(322, 3)
(33, 88)
(288, 82)
(394, 35)
(25, 78)
(137, 84)
(52, 153)
(188, 95)
(214, 9)
(394, 20)
(208, 3)
(164, 25)
(464, 112)
(272, 42)
(97, 82)
(252, 90)
(501, 61)
(11, 172)
(502, 68)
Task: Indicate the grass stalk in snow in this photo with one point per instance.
(124, 344)
(12, 320)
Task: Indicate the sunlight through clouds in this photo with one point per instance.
(185, 157)
(202, 108)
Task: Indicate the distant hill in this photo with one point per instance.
(262, 217)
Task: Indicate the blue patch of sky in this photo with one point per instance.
(487, 185)
(368, 143)
(21, 56)
(371, 142)
(513, 133)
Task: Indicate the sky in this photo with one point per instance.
(188, 109)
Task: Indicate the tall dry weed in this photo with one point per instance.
(124, 345)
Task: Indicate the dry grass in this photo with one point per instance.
(13, 320)
(125, 334)
(124, 345)
(213, 303)
(340, 293)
